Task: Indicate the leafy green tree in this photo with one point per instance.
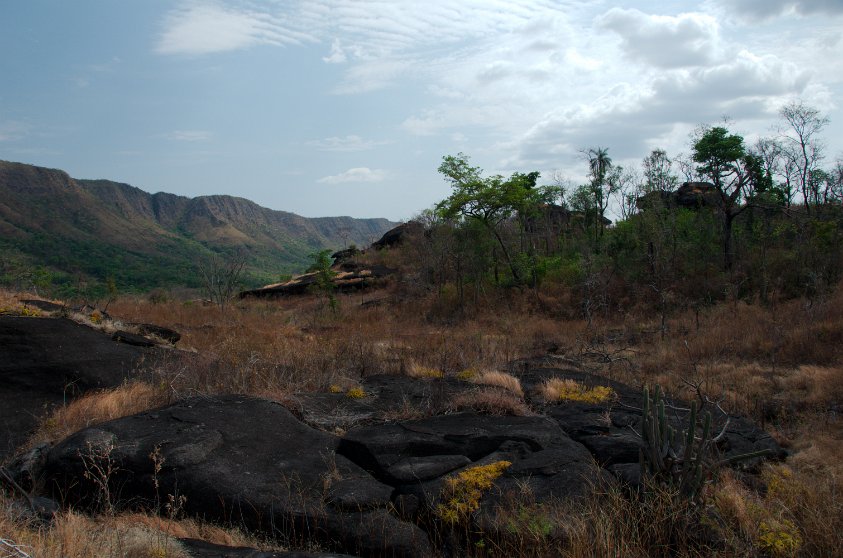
(490, 201)
(736, 174)
(324, 285)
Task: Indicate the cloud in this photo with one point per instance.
(207, 27)
(690, 39)
(755, 10)
(189, 135)
(337, 55)
(347, 143)
(358, 174)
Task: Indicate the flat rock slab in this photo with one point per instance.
(202, 549)
(45, 362)
(237, 460)
(415, 456)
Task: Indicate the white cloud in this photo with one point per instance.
(690, 39)
(189, 135)
(357, 174)
(207, 27)
(347, 143)
(337, 55)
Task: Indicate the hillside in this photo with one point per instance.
(99, 228)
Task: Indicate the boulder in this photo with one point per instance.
(398, 234)
(45, 362)
(202, 549)
(237, 460)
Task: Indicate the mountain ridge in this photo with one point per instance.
(75, 226)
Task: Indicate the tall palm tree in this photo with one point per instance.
(599, 164)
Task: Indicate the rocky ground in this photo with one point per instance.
(362, 470)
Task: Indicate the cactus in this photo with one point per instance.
(682, 459)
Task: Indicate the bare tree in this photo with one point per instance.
(801, 124)
(221, 277)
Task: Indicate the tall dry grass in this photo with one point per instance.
(779, 364)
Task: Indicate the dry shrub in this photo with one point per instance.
(492, 401)
(499, 379)
(99, 407)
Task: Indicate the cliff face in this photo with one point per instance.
(49, 218)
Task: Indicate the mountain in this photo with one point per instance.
(94, 229)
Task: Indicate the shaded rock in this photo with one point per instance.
(543, 457)
(45, 362)
(414, 469)
(202, 549)
(161, 332)
(398, 234)
(270, 479)
(348, 277)
(44, 305)
(132, 339)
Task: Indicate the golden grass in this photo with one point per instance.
(564, 389)
(491, 401)
(501, 380)
(134, 535)
(778, 364)
(99, 407)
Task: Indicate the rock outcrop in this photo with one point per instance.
(45, 362)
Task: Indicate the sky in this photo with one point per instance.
(346, 107)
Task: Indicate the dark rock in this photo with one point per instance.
(415, 469)
(359, 494)
(342, 255)
(398, 234)
(348, 277)
(46, 362)
(44, 305)
(132, 339)
(202, 549)
(543, 457)
(161, 332)
(690, 195)
(270, 479)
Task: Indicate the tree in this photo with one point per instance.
(490, 201)
(604, 180)
(658, 172)
(324, 284)
(804, 150)
(735, 173)
(221, 277)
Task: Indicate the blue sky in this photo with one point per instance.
(346, 107)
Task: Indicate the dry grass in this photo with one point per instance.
(563, 389)
(492, 401)
(74, 535)
(99, 407)
(778, 364)
(501, 380)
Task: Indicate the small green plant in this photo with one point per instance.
(462, 493)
